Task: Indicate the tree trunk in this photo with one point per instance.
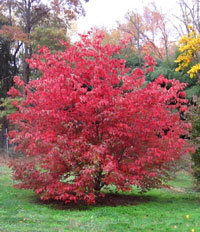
(98, 182)
(26, 68)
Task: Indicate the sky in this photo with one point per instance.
(105, 13)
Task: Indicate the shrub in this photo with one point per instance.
(89, 123)
(193, 116)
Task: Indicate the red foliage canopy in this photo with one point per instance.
(89, 122)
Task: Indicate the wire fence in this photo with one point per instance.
(6, 149)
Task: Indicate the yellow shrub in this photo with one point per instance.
(189, 46)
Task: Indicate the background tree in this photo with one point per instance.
(189, 46)
(113, 36)
(148, 32)
(64, 11)
(156, 34)
(133, 31)
(30, 14)
(27, 14)
(7, 70)
(50, 37)
(189, 15)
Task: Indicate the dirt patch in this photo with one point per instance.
(176, 189)
(4, 160)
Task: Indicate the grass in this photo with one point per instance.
(157, 210)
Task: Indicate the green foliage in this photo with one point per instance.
(194, 117)
(7, 72)
(132, 59)
(7, 106)
(196, 167)
(6, 68)
(50, 37)
(167, 68)
(193, 91)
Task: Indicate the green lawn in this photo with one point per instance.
(157, 210)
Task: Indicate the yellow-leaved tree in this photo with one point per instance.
(189, 46)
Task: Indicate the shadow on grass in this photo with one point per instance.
(116, 199)
(109, 199)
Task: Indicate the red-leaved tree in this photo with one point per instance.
(88, 123)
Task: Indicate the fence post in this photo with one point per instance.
(7, 141)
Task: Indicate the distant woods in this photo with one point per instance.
(25, 24)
